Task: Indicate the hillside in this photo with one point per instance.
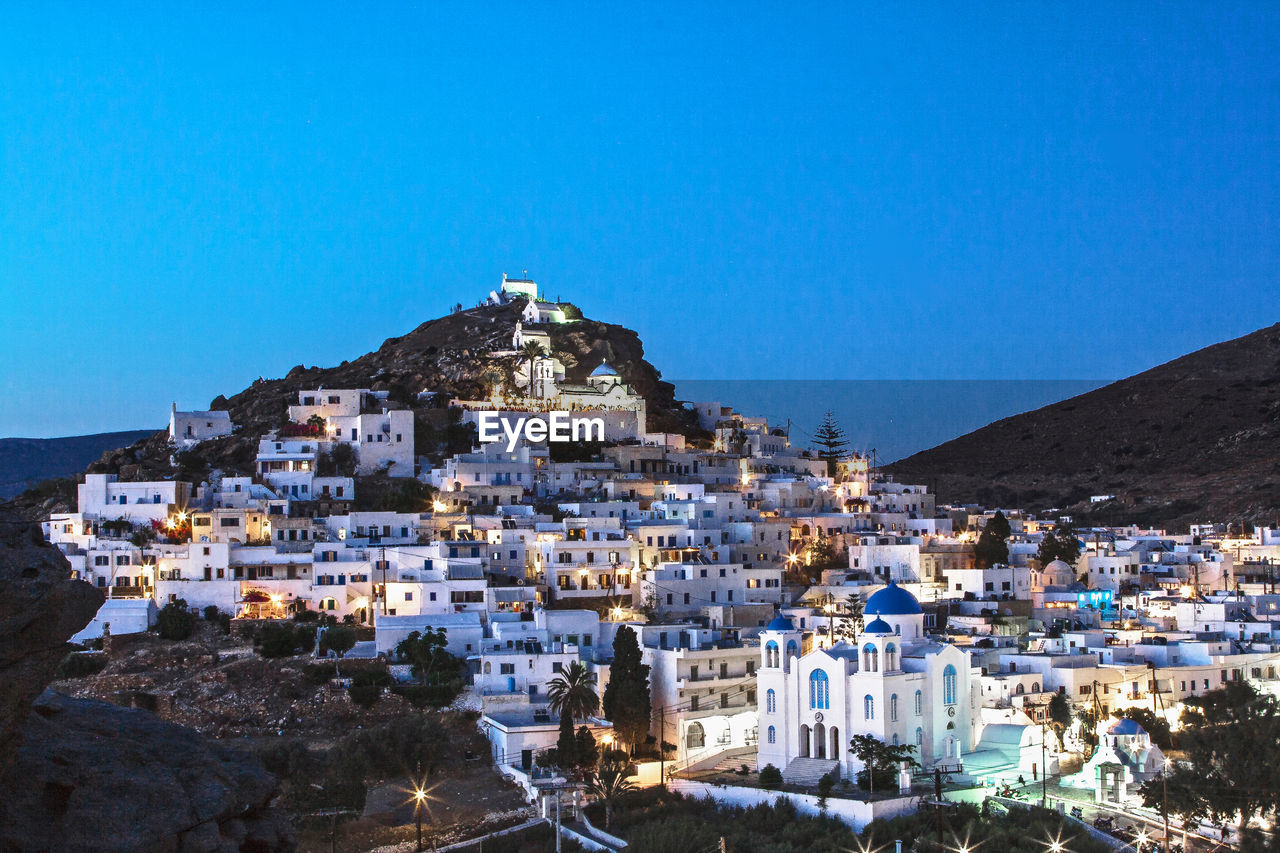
(26, 461)
(1191, 440)
(451, 355)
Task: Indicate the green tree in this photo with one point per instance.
(1060, 717)
(586, 751)
(825, 784)
(1059, 544)
(574, 690)
(530, 352)
(1231, 766)
(1155, 725)
(831, 442)
(609, 785)
(770, 778)
(427, 654)
(992, 546)
(566, 743)
(879, 760)
(626, 698)
(175, 621)
(338, 639)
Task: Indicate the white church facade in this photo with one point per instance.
(894, 683)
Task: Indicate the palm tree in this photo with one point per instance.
(610, 784)
(574, 691)
(530, 351)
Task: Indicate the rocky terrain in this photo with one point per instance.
(80, 775)
(1188, 441)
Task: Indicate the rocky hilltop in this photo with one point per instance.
(80, 775)
(1191, 440)
(453, 356)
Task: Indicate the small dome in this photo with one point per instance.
(604, 370)
(1059, 566)
(893, 600)
(1126, 727)
(878, 626)
(780, 623)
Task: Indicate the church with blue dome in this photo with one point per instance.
(894, 683)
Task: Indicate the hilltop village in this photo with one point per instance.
(736, 613)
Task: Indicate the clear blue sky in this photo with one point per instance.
(193, 195)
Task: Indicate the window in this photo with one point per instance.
(949, 685)
(773, 735)
(870, 658)
(869, 707)
(819, 690)
(919, 697)
(890, 657)
(893, 708)
(771, 653)
(770, 702)
(919, 737)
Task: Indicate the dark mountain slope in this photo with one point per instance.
(26, 461)
(1196, 439)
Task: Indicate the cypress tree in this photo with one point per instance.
(567, 744)
(626, 699)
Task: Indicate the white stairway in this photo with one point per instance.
(807, 771)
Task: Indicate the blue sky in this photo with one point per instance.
(193, 195)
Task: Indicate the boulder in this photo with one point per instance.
(90, 776)
(40, 609)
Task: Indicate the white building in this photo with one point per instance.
(187, 429)
(893, 684)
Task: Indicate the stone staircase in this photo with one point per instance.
(733, 762)
(807, 771)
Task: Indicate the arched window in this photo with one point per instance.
(1035, 687)
(919, 736)
(870, 658)
(1019, 690)
(770, 702)
(949, 685)
(792, 648)
(895, 739)
(919, 699)
(819, 690)
(893, 708)
(695, 737)
(488, 668)
(771, 653)
(890, 658)
(773, 735)
(869, 707)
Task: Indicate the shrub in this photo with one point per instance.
(211, 613)
(770, 778)
(366, 686)
(429, 695)
(282, 640)
(224, 622)
(175, 621)
(81, 664)
(306, 616)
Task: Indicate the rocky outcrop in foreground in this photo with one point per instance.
(78, 775)
(40, 608)
(88, 776)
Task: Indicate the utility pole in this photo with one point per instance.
(662, 750)
(1044, 768)
(1164, 804)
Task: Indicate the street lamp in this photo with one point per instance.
(419, 799)
(1164, 802)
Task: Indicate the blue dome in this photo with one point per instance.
(878, 626)
(893, 600)
(604, 370)
(780, 623)
(1126, 727)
